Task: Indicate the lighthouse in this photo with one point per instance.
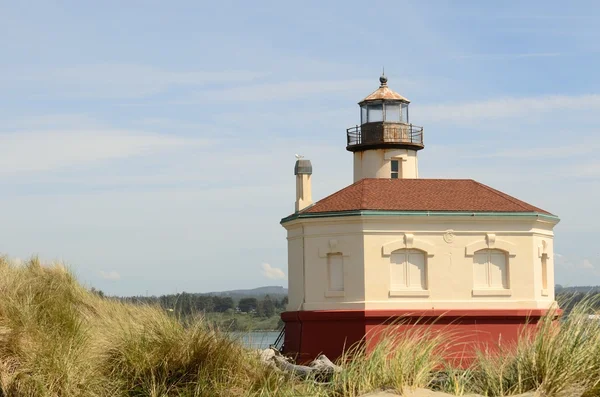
(395, 250)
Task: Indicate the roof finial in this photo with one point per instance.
(383, 79)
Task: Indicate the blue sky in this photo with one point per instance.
(150, 145)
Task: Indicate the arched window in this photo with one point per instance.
(490, 269)
(408, 270)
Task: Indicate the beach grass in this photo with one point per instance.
(59, 339)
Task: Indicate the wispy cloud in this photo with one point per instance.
(586, 264)
(573, 263)
(111, 275)
(503, 108)
(47, 150)
(271, 272)
(117, 80)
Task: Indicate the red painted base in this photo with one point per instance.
(330, 332)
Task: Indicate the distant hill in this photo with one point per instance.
(273, 290)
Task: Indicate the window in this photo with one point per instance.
(408, 270)
(363, 114)
(395, 164)
(490, 269)
(392, 112)
(335, 272)
(404, 115)
(375, 113)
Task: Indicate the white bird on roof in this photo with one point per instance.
(299, 156)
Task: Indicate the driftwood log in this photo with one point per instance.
(320, 368)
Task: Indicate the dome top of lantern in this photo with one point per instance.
(384, 93)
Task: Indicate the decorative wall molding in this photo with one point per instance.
(334, 246)
(543, 250)
(490, 242)
(449, 236)
(408, 242)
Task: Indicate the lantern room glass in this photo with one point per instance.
(392, 112)
(375, 113)
(404, 114)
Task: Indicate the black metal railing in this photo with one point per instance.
(382, 133)
(278, 344)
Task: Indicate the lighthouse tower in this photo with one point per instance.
(395, 250)
(385, 145)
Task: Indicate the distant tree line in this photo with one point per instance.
(567, 300)
(186, 304)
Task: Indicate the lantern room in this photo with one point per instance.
(385, 144)
(378, 109)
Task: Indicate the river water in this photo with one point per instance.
(256, 339)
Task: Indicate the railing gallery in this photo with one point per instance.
(376, 133)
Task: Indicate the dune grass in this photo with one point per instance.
(397, 362)
(560, 358)
(59, 339)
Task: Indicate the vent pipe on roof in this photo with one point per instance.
(303, 171)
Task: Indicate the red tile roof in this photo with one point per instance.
(452, 195)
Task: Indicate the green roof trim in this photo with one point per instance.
(339, 214)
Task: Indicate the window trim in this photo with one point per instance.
(408, 242)
(544, 270)
(543, 250)
(398, 163)
(492, 243)
(330, 293)
(410, 291)
(334, 246)
(486, 290)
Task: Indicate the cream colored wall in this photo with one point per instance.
(295, 267)
(365, 240)
(320, 239)
(376, 163)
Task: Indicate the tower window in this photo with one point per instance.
(392, 112)
(404, 115)
(375, 113)
(395, 169)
